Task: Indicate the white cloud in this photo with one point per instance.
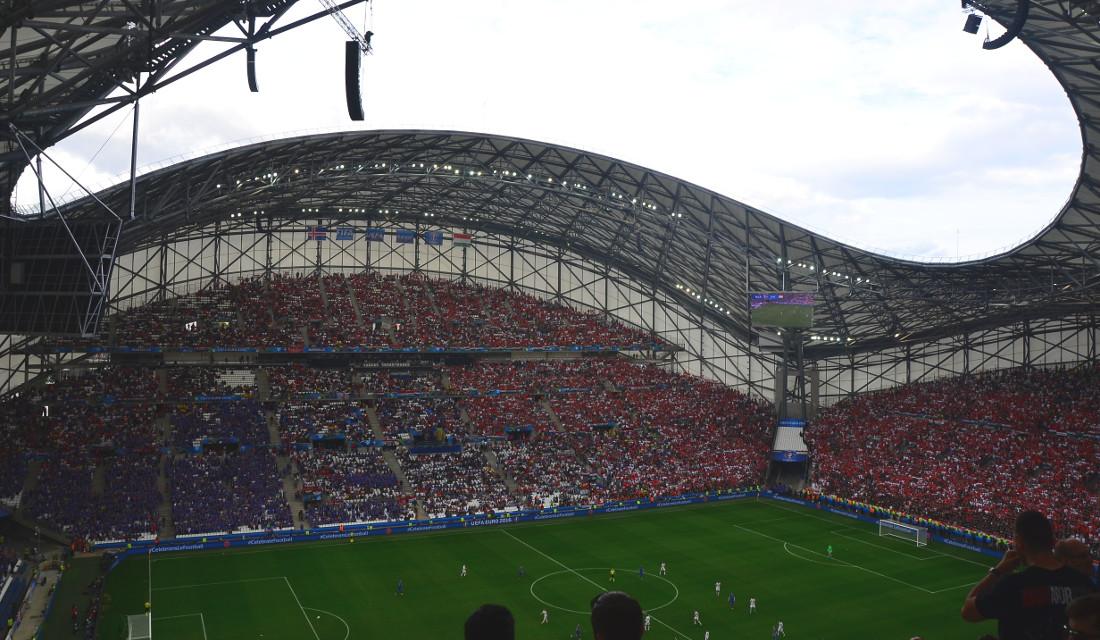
(878, 123)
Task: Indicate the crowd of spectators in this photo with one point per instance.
(427, 417)
(547, 471)
(417, 381)
(240, 422)
(454, 484)
(294, 381)
(945, 451)
(13, 469)
(191, 382)
(123, 506)
(1039, 399)
(103, 384)
(623, 431)
(340, 487)
(411, 310)
(204, 319)
(227, 492)
(76, 429)
(579, 410)
(303, 421)
(380, 304)
(492, 415)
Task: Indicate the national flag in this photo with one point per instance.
(462, 239)
(376, 234)
(405, 236)
(317, 233)
(344, 234)
(433, 237)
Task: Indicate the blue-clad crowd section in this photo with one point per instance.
(288, 536)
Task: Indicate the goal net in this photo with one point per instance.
(908, 532)
(140, 627)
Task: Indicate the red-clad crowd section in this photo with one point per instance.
(972, 451)
(365, 310)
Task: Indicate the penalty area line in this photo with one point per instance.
(843, 563)
(202, 620)
(586, 579)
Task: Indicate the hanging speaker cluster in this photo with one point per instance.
(353, 63)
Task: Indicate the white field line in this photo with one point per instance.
(810, 515)
(959, 586)
(149, 595)
(786, 547)
(183, 615)
(202, 621)
(347, 627)
(841, 533)
(841, 562)
(304, 614)
(582, 577)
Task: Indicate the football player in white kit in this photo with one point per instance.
(545, 617)
(462, 574)
(752, 605)
(717, 589)
(779, 629)
(648, 619)
(664, 569)
(695, 618)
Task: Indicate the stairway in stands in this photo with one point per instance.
(355, 306)
(494, 464)
(392, 461)
(286, 464)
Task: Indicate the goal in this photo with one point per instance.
(140, 627)
(908, 532)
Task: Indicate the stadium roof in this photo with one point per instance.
(68, 64)
(700, 247)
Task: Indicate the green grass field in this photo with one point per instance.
(873, 588)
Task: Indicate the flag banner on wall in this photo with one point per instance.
(316, 233)
(405, 236)
(433, 237)
(462, 239)
(343, 234)
(376, 234)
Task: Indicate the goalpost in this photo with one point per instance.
(140, 627)
(908, 532)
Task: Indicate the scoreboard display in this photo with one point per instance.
(782, 309)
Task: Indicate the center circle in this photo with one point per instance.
(625, 580)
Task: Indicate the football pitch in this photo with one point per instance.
(873, 587)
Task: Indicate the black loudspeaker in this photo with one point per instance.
(250, 57)
(353, 61)
(973, 21)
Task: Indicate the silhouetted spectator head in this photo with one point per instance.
(491, 622)
(616, 616)
(1034, 535)
(1075, 555)
(1084, 618)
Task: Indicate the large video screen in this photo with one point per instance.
(783, 309)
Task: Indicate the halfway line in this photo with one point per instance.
(582, 577)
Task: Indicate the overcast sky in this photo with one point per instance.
(879, 124)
